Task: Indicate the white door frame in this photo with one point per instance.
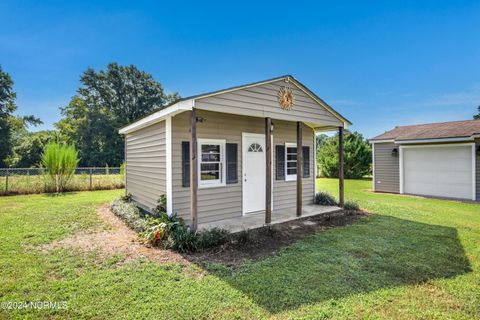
(472, 145)
(256, 135)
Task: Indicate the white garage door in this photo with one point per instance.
(444, 171)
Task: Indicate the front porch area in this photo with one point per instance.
(257, 220)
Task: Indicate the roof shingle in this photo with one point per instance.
(453, 129)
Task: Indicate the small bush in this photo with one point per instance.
(325, 199)
(170, 232)
(243, 236)
(127, 197)
(183, 239)
(351, 206)
(161, 205)
(213, 237)
(130, 214)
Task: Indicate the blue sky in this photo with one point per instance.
(380, 64)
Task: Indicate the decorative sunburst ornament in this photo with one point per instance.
(285, 97)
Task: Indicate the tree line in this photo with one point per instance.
(105, 101)
(109, 99)
(357, 156)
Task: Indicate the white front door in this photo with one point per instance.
(253, 172)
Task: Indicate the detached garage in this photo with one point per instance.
(437, 159)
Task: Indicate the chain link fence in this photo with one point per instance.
(36, 180)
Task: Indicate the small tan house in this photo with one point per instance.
(435, 159)
(230, 153)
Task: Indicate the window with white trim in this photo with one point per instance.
(290, 161)
(211, 156)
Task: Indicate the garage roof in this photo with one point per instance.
(441, 130)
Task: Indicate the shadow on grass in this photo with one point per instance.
(378, 252)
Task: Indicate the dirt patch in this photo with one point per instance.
(259, 243)
(118, 240)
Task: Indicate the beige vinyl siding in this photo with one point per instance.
(146, 164)
(226, 202)
(285, 192)
(262, 101)
(477, 167)
(387, 168)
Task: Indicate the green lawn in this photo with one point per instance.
(412, 258)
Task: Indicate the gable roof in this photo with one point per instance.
(441, 130)
(187, 103)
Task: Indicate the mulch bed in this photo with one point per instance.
(248, 245)
(263, 242)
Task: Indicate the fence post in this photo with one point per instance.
(90, 179)
(6, 182)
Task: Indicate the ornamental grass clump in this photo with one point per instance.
(60, 161)
(325, 199)
(351, 206)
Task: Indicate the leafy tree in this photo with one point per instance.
(477, 116)
(28, 150)
(7, 107)
(358, 157)
(321, 139)
(108, 100)
(11, 126)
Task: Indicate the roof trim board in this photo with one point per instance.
(433, 140)
(179, 107)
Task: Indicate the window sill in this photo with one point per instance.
(207, 186)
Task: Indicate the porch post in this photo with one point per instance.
(299, 168)
(193, 171)
(341, 194)
(268, 170)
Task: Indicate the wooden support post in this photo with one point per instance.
(193, 171)
(341, 191)
(299, 168)
(268, 170)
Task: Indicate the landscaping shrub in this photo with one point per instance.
(351, 206)
(325, 199)
(213, 237)
(161, 205)
(243, 236)
(60, 162)
(128, 212)
(170, 232)
(183, 239)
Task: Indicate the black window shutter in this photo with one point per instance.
(231, 160)
(306, 162)
(185, 164)
(280, 162)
